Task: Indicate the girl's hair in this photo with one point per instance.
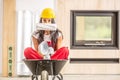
(52, 20)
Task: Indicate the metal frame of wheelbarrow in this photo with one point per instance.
(45, 68)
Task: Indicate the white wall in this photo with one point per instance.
(34, 5)
(1, 10)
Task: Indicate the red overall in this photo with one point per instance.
(61, 53)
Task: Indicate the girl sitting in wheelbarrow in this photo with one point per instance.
(47, 39)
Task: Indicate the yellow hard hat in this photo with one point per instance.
(47, 13)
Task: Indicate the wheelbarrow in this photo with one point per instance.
(45, 68)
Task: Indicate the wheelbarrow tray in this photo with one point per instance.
(53, 67)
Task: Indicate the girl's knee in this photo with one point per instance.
(27, 49)
(64, 49)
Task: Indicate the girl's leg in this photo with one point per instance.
(61, 53)
(30, 53)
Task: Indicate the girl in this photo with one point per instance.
(52, 37)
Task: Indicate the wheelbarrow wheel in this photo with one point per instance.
(44, 75)
(34, 77)
(59, 77)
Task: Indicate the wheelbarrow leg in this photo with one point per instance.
(34, 77)
(44, 75)
(59, 76)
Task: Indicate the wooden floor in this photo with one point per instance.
(73, 77)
